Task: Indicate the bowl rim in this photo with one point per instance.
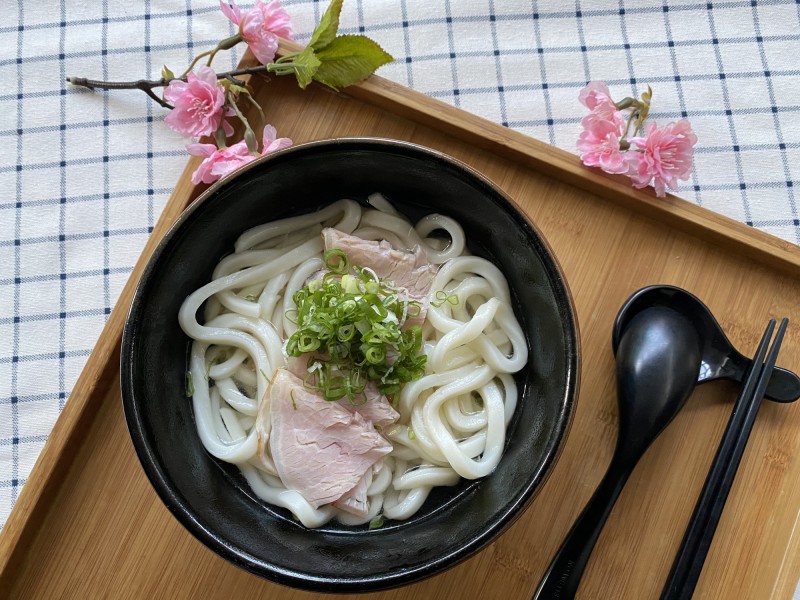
(181, 510)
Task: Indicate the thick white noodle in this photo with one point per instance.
(378, 201)
(349, 210)
(453, 419)
(410, 237)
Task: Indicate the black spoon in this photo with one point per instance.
(720, 359)
(658, 361)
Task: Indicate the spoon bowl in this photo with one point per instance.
(720, 358)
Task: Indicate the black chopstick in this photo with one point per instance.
(689, 561)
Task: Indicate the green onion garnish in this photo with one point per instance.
(264, 374)
(377, 522)
(352, 324)
(442, 297)
(189, 384)
(336, 261)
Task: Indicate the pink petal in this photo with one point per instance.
(231, 11)
(270, 142)
(264, 47)
(201, 149)
(175, 89)
(276, 145)
(205, 74)
(592, 92)
(276, 19)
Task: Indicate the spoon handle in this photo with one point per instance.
(564, 574)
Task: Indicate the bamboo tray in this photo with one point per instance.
(87, 523)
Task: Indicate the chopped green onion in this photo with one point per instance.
(189, 384)
(291, 395)
(307, 343)
(411, 435)
(375, 355)
(353, 325)
(336, 261)
(377, 522)
(345, 333)
(251, 298)
(264, 374)
(350, 284)
(442, 297)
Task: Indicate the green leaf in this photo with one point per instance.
(166, 73)
(349, 59)
(377, 522)
(325, 32)
(305, 66)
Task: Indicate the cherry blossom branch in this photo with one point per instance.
(657, 156)
(200, 100)
(145, 85)
(148, 85)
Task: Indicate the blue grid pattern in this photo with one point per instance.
(90, 172)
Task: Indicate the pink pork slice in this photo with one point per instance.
(355, 501)
(376, 409)
(320, 449)
(409, 270)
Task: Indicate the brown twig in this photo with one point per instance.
(145, 85)
(148, 85)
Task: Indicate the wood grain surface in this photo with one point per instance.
(88, 524)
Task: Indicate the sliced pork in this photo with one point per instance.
(409, 270)
(376, 408)
(320, 448)
(355, 501)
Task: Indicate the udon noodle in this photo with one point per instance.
(453, 419)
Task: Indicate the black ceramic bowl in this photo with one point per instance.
(213, 501)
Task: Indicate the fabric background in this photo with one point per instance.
(84, 175)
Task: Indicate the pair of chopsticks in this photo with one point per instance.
(700, 531)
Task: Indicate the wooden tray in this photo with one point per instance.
(87, 523)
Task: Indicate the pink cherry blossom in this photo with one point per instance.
(664, 156)
(261, 26)
(599, 144)
(271, 142)
(199, 103)
(220, 162)
(597, 97)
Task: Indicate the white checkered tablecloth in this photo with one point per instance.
(85, 175)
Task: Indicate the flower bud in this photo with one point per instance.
(230, 42)
(251, 141)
